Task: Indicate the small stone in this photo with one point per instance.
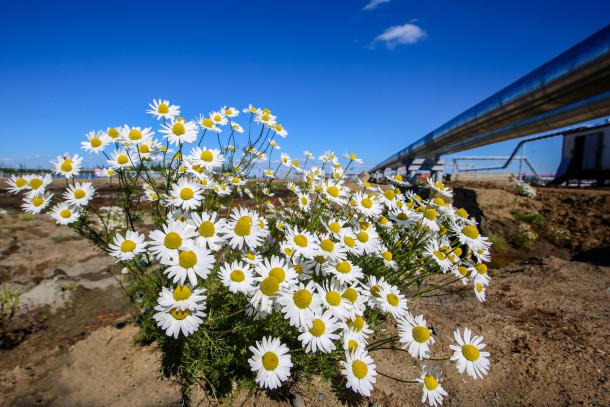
(298, 401)
(322, 396)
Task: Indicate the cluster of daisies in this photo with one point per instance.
(324, 260)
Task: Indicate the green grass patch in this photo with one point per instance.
(531, 218)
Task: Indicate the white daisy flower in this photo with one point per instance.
(230, 111)
(245, 228)
(271, 361)
(265, 117)
(353, 157)
(439, 188)
(438, 254)
(269, 173)
(359, 368)
(96, 142)
(162, 109)
(180, 131)
(304, 202)
(356, 297)
(428, 218)
(479, 290)
(79, 194)
(335, 192)
(36, 204)
(175, 320)
(469, 355)
(279, 268)
(280, 130)
(207, 123)
(64, 214)
(415, 335)
(367, 204)
(219, 118)
(352, 341)
(113, 133)
(68, 166)
(186, 194)
(469, 235)
(391, 301)
(478, 273)
(388, 259)
(190, 261)
(17, 184)
(127, 247)
(182, 297)
(37, 184)
(433, 391)
(319, 334)
(136, 135)
(167, 242)
(333, 251)
(358, 325)
(237, 277)
(303, 243)
(122, 159)
(334, 302)
(299, 304)
(344, 271)
(208, 159)
(210, 228)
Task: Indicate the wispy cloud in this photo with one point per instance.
(406, 34)
(373, 4)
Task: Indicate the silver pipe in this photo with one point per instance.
(579, 73)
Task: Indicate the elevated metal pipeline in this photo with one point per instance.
(579, 73)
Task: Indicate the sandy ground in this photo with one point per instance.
(546, 323)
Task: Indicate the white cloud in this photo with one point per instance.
(373, 4)
(401, 35)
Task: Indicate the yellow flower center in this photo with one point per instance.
(461, 213)
(470, 231)
(179, 314)
(217, 118)
(398, 177)
(334, 227)
(135, 134)
(304, 201)
(392, 299)
(181, 293)
(186, 193)
(128, 246)
(344, 267)
(470, 352)
(250, 256)
(208, 123)
(387, 256)
(327, 245)
(20, 182)
(333, 191)
(481, 268)
(270, 361)
(300, 240)
(389, 194)
(243, 226)
(278, 127)
(333, 298)
(421, 334)
(270, 286)
(350, 294)
(375, 290)
(65, 213)
(430, 214)
(479, 287)
(367, 203)
(122, 159)
(349, 241)
(95, 142)
(235, 180)
(363, 237)
(178, 129)
(228, 112)
(463, 270)
(360, 369)
(172, 240)
(439, 186)
(187, 259)
(79, 194)
(113, 133)
(439, 255)
(144, 149)
(207, 229)
(278, 273)
(238, 276)
(318, 328)
(66, 166)
(430, 382)
(298, 268)
(302, 298)
(457, 251)
(37, 201)
(207, 156)
(439, 201)
(163, 108)
(383, 220)
(352, 345)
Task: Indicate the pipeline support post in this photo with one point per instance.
(436, 166)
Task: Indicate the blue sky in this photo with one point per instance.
(346, 75)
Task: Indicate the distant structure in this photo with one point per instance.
(572, 88)
(585, 155)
